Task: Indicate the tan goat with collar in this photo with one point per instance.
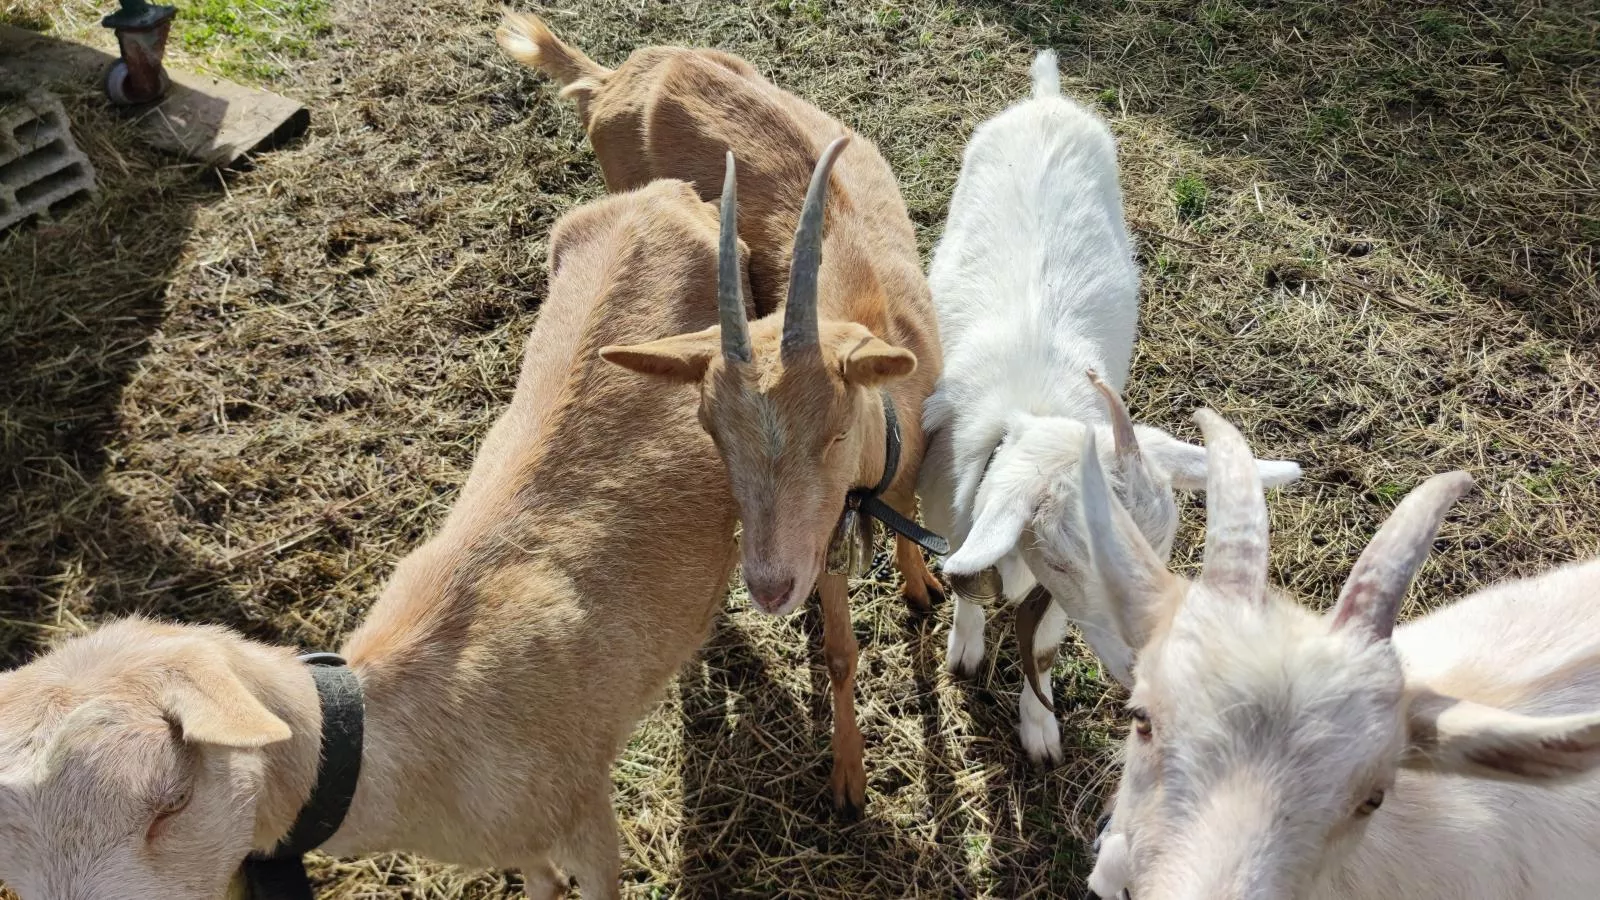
(504, 666)
(794, 400)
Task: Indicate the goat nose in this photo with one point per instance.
(770, 592)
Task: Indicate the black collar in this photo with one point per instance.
(870, 501)
(281, 874)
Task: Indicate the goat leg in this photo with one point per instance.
(590, 851)
(921, 590)
(839, 648)
(542, 881)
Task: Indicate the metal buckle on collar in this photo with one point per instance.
(850, 550)
(983, 588)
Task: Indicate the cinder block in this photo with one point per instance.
(41, 167)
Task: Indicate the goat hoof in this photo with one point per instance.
(936, 596)
(849, 797)
(847, 810)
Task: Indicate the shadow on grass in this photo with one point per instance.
(80, 299)
(1456, 136)
(757, 801)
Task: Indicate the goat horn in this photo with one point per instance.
(800, 312)
(1126, 442)
(1236, 513)
(1381, 576)
(730, 295)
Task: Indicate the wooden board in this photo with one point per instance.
(210, 120)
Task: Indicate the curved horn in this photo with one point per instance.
(730, 295)
(1127, 443)
(1134, 576)
(800, 312)
(1381, 576)
(1236, 513)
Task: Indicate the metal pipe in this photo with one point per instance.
(137, 78)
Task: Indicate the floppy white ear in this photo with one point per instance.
(1186, 463)
(1001, 518)
(1445, 734)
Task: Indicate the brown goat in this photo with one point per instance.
(795, 400)
(504, 666)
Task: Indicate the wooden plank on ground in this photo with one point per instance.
(207, 119)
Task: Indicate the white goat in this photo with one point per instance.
(1278, 754)
(1035, 283)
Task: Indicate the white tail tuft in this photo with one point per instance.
(1046, 75)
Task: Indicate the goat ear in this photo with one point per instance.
(1445, 734)
(995, 531)
(212, 705)
(1186, 463)
(873, 362)
(683, 357)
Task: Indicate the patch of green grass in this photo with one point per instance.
(1189, 195)
(889, 16)
(1403, 79)
(24, 16)
(1547, 485)
(977, 846)
(1064, 17)
(1439, 25)
(1329, 121)
(1219, 14)
(1589, 228)
(253, 38)
(1390, 492)
(1243, 77)
(811, 10)
(1108, 98)
(1068, 859)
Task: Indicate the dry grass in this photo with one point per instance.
(1369, 235)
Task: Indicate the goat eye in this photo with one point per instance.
(1141, 723)
(172, 807)
(840, 436)
(1371, 804)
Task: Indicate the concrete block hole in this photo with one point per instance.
(42, 171)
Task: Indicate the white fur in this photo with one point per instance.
(1035, 284)
(1436, 836)
(964, 650)
(1041, 737)
(1473, 732)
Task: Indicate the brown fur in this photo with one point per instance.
(673, 113)
(509, 658)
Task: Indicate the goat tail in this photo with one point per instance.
(528, 40)
(1046, 75)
